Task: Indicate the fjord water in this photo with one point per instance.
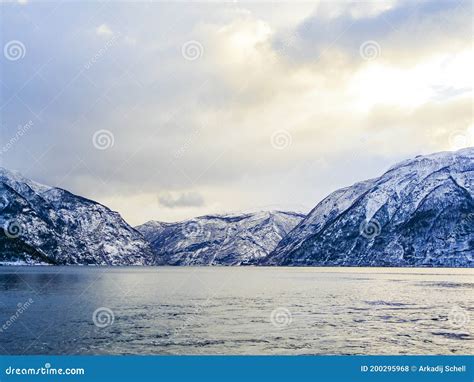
(199, 310)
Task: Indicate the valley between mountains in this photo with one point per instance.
(420, 213)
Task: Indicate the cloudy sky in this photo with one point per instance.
(166, 111)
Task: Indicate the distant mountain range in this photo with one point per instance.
(219, 239)
(419, 213)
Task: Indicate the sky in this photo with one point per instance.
(166, 111)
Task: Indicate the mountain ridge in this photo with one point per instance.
(420, 212)
(218, 239)
(401, 202)
(52, 225)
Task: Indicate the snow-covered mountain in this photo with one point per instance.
(419, 213)
(51, 225)
(219, 239)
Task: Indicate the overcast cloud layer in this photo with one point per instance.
(167, 111)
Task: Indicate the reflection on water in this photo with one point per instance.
(248, 310)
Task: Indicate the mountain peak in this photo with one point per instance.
(50, 225)
(436, 159)
(219, 239)
(11, 177)
(419, 213)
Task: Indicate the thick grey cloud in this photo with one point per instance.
(187, 199)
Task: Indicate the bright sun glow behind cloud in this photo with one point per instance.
(383, 84)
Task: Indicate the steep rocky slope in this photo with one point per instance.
(419, 213)
(51, 225)
(219, 239)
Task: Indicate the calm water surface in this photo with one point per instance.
(236, 311)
